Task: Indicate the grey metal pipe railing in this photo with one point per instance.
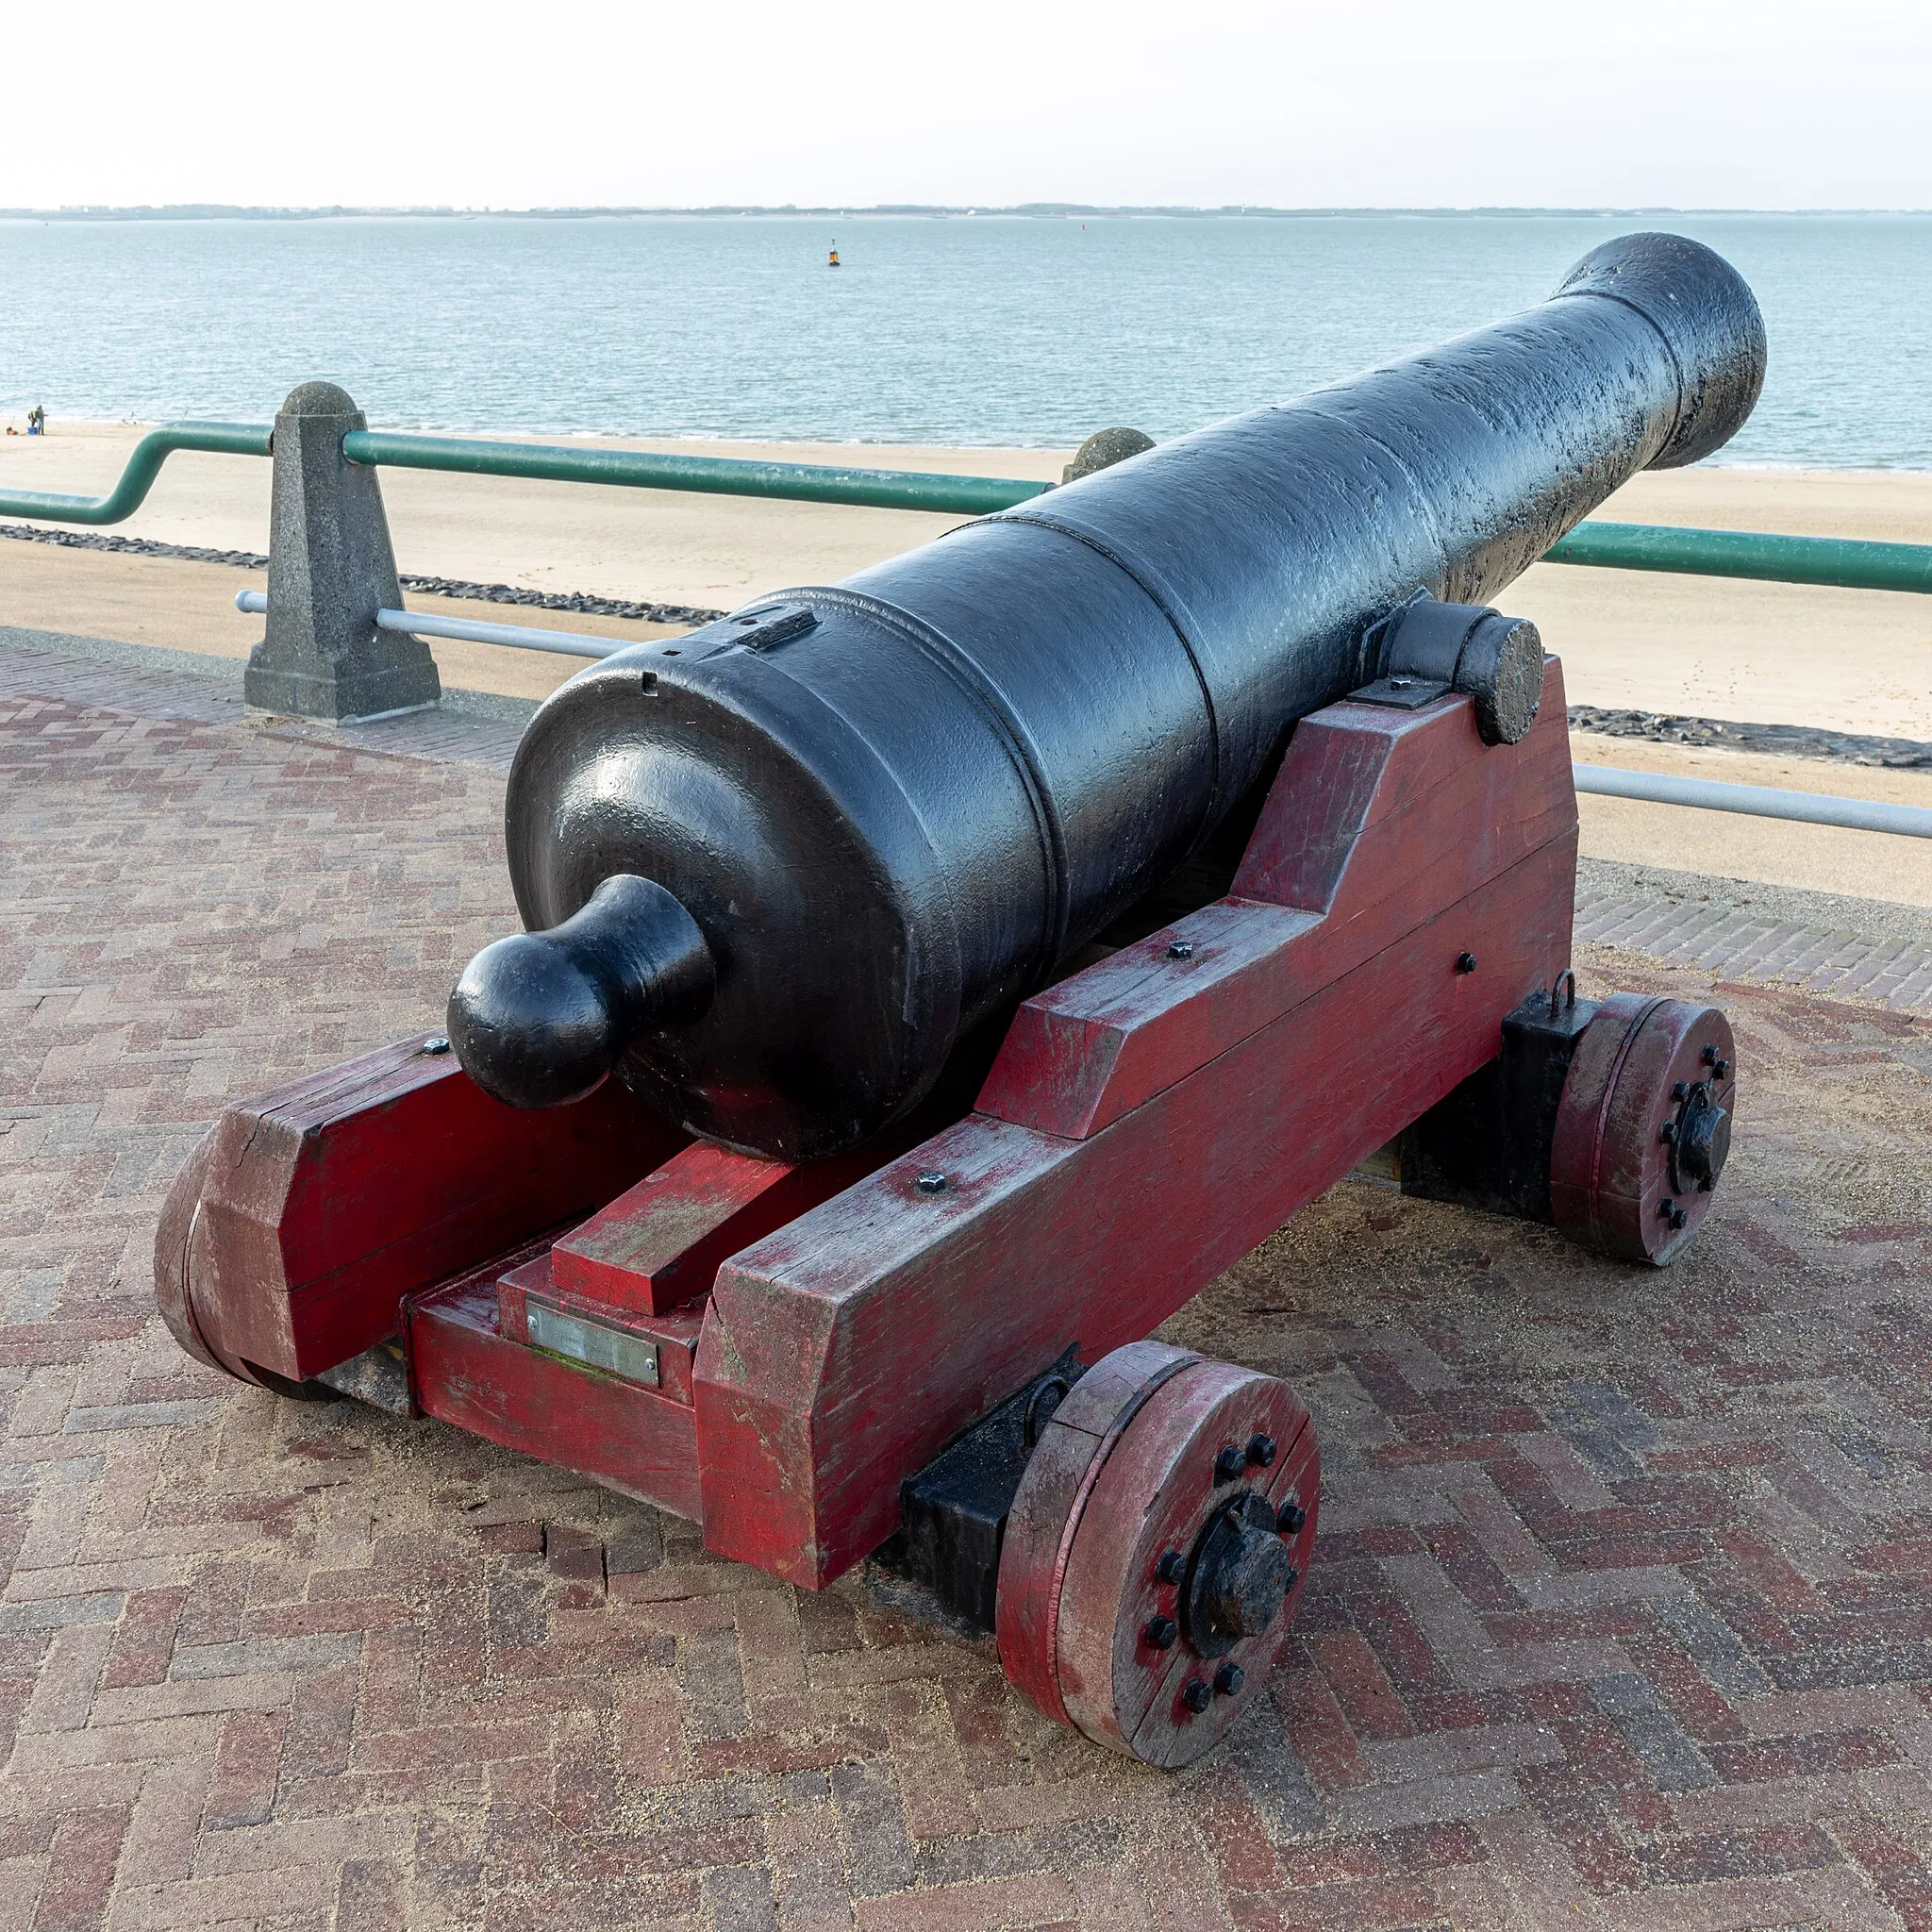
(1756, 801)
(420, 624)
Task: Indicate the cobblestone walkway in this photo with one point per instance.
(1620, 1615)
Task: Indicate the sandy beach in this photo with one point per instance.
(1859, 661)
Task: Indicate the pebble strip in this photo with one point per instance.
(580, 601)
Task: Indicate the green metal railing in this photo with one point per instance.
(1845, 563)
(138, 478)
(1841, 563)
(972, 496)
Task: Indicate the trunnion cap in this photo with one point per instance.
(1496, 661)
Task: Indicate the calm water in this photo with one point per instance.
(987, 330)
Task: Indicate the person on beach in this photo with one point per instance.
(37, 420)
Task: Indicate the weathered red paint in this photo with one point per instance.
(1073, 1448)
(1156, 1490)
(1609, 1164)
(1377, 818)
(317, 1208)
(675, 1333)
(659, 1244)
(467, 1371)
(1149, 1122)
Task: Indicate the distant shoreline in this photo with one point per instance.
(1035, 210)
(829, 449)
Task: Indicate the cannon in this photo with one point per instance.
(931, 981)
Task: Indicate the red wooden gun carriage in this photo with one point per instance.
(860, 1251)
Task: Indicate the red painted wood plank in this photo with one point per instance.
(846, 1350)
(326, 1202)
(467, 1372)
(1336, 785)
(659, 1244)
(674, 1334)
(1447, 813)
(1081, 1054)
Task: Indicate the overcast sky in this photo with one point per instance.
(1693, 103)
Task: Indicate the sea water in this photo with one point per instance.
(964, 331)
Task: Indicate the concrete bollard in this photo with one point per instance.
(331, 568)
(1102, 449)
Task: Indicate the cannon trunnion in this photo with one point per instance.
(983, 956)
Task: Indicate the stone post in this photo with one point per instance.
(330, 570)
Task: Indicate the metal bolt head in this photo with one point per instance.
(1229, 1678)
(1196, 1695)
(1161, 1631)
(1721, 1069)
(1665, 1209)
(1180, 949)
(1668, 1132)
(1172, 1567)
(1678, 1217)
(1679, 1088)
(1229, 1464)
(931, 1182)
(1262, 1451)
(1465, 962)
(436, 1043)
(1290, 1519)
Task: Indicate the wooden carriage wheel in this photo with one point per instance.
(1643, 1128)
(1156, 1550)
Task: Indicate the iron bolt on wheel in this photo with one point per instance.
(1145, 1582)
(1644, 1127)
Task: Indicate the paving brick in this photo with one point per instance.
(241, 1788)
(77, 1887)
(1616, 1619)
(1035, 1900)
(64, 1692)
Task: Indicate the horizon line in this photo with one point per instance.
(199, 210)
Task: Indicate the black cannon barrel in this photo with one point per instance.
(878, 810)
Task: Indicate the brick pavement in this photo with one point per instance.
(1882, 969)
(1619, 1617)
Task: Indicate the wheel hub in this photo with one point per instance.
(1643, 1128)
(1240, 1577)
(1700, 1142)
